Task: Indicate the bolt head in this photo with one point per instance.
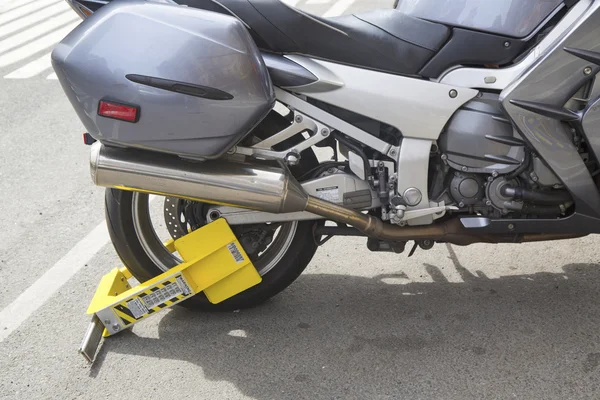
(488, 203)
(298, 118)
(325, 132)
(107, 322)
(587, 70)
(444, 157)
(453, 93)
(507, 44)
(392, 152)
(511, 226)
(461, 204)
(464, 169)
(495, 174)
(292, 159)
(116, 327)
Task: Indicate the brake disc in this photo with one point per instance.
(182, 216)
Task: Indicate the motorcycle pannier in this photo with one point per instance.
(170, 78)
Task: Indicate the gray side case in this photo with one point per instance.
(228, 87)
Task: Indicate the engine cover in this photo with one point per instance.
(480, 139)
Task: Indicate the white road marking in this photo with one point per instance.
(53, 279)
(9, 5)
(52, 76)
(35, 46)
(338, 8)
(37, 30)
(31, 69)
(33, 18)
(24, 10)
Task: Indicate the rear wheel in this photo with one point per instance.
(280, 252)
(279, 261)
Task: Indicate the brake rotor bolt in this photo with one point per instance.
(587, 70)
(453, 93)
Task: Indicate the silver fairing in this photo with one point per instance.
(517, 18)
(178, 44)
(535, 103)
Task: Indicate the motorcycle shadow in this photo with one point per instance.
(337, 336)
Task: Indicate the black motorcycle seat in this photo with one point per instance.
(385, 40)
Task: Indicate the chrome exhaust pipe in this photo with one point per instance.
(260, 188)
(256, 187)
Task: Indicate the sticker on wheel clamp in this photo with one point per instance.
(235, 252)
(159, 296)
(330, 193)
(183, 285)
(152, 300)
(137, 308)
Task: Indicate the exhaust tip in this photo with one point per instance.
(94, 158)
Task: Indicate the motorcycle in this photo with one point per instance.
(449, 122)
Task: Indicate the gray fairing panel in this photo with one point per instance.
(170, 42)
(516, 18)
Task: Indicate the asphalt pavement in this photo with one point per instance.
(480, 322)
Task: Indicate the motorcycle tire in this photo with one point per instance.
(301, 249)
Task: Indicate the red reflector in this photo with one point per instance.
(118, 111)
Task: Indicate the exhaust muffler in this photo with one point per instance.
(251, 186)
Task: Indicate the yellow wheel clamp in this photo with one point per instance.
(214, 263)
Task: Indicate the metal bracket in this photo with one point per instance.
(302, 123)
(402, 216)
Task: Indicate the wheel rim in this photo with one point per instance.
(155, 250)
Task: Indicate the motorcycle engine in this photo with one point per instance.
(483, 156)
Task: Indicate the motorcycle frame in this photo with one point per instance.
(420, 109)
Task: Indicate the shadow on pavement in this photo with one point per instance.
(335, 336)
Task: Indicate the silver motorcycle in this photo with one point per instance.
(442, 121)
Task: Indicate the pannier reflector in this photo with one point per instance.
(118, 111)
